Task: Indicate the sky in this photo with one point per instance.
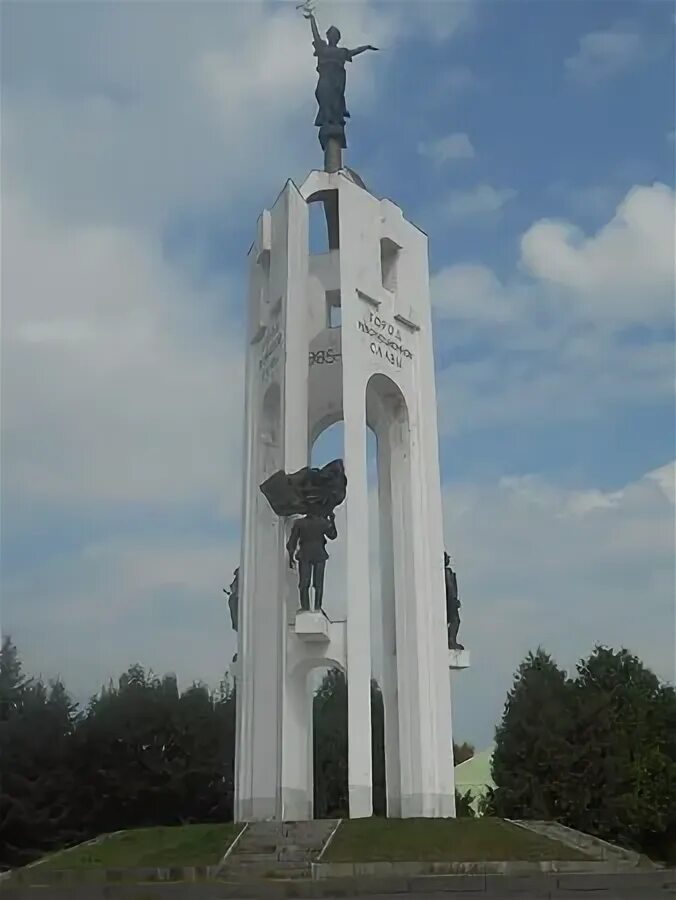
(533, 140)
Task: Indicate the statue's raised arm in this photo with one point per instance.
(361, 49)
(316, 36)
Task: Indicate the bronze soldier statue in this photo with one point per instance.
(309, 536)
(312, 493)
(452, 605)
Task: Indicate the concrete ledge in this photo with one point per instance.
(44, 877)
(458, 659)
(579, 840)
(312, 627)
(321, 871)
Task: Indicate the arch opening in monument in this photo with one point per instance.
(387, 415)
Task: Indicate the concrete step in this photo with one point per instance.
(287, 848)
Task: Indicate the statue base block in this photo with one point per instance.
(458, 659)
(312, 627)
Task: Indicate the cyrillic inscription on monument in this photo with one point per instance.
(270, 352)
(387, 340)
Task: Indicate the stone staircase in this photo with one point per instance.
(277, 849)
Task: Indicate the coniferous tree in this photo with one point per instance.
(533, 741)
(622, 783)
(330, 746)
(597, 752)
(36, 779)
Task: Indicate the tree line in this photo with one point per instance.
(596, 751)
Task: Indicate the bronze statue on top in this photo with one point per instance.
(452, 605)
(330, 92)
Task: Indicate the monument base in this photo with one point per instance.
(312, 627)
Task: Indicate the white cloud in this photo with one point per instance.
(554, 330)
(625, 271)
(470, 292)
(482, 201)
(446, 149)
(565, 568)
(665, 478)
(440, 21)
(115, 389)
(551, 377)
(601, 55)
(458, 79)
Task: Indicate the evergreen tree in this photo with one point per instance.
(37, 782)
(330, 746)
(622, 782)
(597, 753)
(12, 681)
(533, 741)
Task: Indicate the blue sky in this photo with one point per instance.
(533, 141)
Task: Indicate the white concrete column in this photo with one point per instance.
(388, 684)
(360, 776)
(296, 802)
(294, 745)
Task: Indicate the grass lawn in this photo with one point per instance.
(179, 845)
(439, 840)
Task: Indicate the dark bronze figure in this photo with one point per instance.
(313, 494)
(309, 490)
(307, 544)
(233, 600)
(452, 605)
(330, 92)
(233, 603)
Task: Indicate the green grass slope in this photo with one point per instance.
(441, 840)
(180, 845)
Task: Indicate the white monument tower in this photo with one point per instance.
(343, 336)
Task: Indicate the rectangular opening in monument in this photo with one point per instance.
(389, 258)
(324, 222)
(333, 309)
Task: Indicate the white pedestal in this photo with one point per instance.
(312, 627)
(458, 659)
